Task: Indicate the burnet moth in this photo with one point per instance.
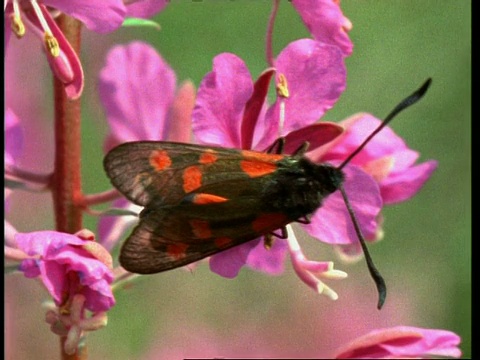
(201, 200)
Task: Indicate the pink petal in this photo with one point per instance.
(137, 88)
(252, 254)
(269, 261)
(315, 75)
(402, 342)
(221, 100)
(99, 16)
(316, 135)
(53, 276)
(254, 107)
(332, 223)
(180, 115)
(229, 263)
(404, 185)
(45, 243)
(357, 128)
(66, 67)
(325, 21)
(145, 8)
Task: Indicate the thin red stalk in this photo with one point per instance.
(269, 38)
(100, 198)
(25, 175)
(66, 180)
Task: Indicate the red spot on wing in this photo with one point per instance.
(222, 242)
(202, 199)
(265, 157)
(200, 229)
(160, 160)
(256, 168)
(192, 178)
(177, 251)
(268, 222)
(256, 164)
(208, 157)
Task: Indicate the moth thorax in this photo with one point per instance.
(301, 186)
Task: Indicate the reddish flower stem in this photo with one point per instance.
(269, 39)
(66, 180)
(100, 198)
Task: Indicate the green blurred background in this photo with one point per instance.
(426, 253)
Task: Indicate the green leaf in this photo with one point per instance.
(141, 23)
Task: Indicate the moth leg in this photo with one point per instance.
(279, 143)
(268, 239)
(305, 220)
(302, 149)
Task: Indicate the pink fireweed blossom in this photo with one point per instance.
(99, 16)
(231, 111)
(77, 272)
(326, 22)
(139, 93)
(69, 265)
(402, 342)
(386, 159)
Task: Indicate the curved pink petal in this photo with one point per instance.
(99, 16)
(316, 77)
(402, 342)
(402, 186)
(180, 114)
(386, 157)
(316, 135)
(228, 263)
(137, 89)
(326, 22)
(56, 256)
(221, 100)
(145, 8)
(254, 108)
(43, 243)
(332, 223)
(269, 261)
(66, 67)
(357, 128)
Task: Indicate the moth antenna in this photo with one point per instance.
(405, 103)
(374, 273)
(379, 281)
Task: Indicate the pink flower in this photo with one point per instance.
(326, 22)
(99, 16)
(402, 342)
(69, 265)
(231, 111)
(386, 160)
(139, 92)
